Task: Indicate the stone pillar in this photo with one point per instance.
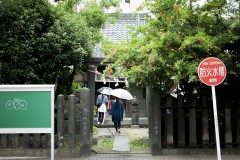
(155, 125)
(60, 118)
(15, 138)
(26, 140)
(181, 121)
(205, 124)
(91, 86)
(148, 107)
(78, 109)
(71, 120)
(169, 120)
(192, 124)
(37, 140)
(135, 113)
(85, 122)
(3, 141)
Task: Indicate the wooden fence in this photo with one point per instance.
(191, 124)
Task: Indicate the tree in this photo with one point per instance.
(168, 49)
(45, 44)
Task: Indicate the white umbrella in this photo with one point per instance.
(121, 93)
(104, 90)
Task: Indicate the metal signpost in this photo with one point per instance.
(212, 72)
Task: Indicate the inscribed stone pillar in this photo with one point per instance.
(205, 123)
(91, 86)
(181, 121)
(192, 124)
(148, 107)
(78, 108)
(71, 120)
(155, 111)
(85, 122)
(169, 120)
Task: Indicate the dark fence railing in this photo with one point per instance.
(191, 124)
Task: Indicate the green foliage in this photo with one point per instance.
(21, 23)
(77, 85)
(94, 16)
(139, 144)
(169, 48)
(45, 44)
(104, 144)
(95, 130)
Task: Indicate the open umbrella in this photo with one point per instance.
(104, 90)
(121, 93)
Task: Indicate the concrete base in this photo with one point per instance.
(127, 122)
(74, 153)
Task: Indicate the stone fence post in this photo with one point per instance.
(71, 120)
(85, 122)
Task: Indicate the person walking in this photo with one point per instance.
(102, 101)
(116, 111)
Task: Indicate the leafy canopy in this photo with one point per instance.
(169, 48)
(45, 44)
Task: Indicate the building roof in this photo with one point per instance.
(118, 31)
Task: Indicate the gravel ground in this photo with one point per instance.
(135, 133)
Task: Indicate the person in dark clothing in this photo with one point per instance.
(116, 111)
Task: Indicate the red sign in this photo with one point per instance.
(212, 71)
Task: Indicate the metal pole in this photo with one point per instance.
(52, 123)
(216, 123)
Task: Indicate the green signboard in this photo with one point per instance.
(25, 109)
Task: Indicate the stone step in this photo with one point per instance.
(127, 122)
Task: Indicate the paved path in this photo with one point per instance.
(121, 144)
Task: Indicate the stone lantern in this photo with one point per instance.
(135, 113)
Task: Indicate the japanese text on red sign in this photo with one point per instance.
(211, 72)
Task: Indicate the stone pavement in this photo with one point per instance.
(121, 141)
